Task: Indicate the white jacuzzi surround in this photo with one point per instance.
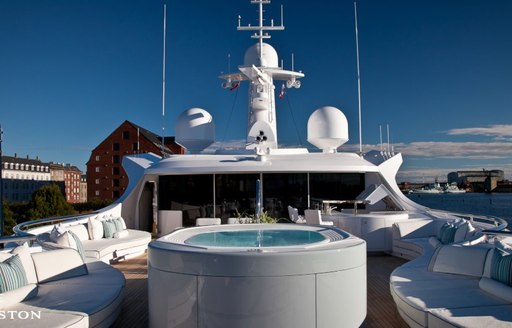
(321, 284)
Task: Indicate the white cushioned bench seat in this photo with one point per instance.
(114, 248)
(67, 293)
(453, 289)
(105, 239)
(499, 316)
(416, 237)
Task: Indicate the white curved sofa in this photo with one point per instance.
(417, 237)
(96, 246)
(61, 290)
(452, 289)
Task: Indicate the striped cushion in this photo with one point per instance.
(79, 246)
(109, 228)
(447, 233)
(12, 274)
(501, 267)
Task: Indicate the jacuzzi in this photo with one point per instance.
(252, 275)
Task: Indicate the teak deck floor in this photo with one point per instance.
(381, 311)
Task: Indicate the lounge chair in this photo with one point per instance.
(314, 217)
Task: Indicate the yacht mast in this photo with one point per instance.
(163, 79)
(261, 68)
(358, 84)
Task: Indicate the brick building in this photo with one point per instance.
(70, 176)
(106, 178)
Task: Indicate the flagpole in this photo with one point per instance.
(358, 83)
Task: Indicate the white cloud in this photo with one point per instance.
(498, 131)
(457, 150)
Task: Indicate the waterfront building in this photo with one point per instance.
(484, 180)
(22, 176)
(106, 178)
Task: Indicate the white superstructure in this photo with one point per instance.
(356, 191)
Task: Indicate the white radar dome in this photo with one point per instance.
(195, 129)
(269, 56)
(327, 129)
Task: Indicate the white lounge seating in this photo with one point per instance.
(416, 237)
(62, 291)
(207, 221)
(97, 245)
(293, 213)
(455, 287)
(314, 217)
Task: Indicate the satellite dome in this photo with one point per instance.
(195, 129)
(327, 129)
(269, 56)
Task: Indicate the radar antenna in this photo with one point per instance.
(259, 30)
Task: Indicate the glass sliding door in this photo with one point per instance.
(191, 194)
(283, 189)
(336, 186)
(235, 194)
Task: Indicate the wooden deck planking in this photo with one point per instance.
(381, 310)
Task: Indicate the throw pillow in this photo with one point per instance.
(95, 228)
(119, 224)
(109, 228)
(12, 274)
(501, 267)
(448, 233)
(461, 230)
(78, 243)
(445, 226)
(121, 234)
(26, 260)
(65, 240)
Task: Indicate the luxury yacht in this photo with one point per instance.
(362, 219)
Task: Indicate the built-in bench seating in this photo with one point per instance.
(450, 285)
(105, 239)
(57, 289)
(416, 237)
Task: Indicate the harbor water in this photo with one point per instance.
(494, 204)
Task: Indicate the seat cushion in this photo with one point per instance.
(499, 316)
(43, 317)
(15, 296)
(83, 294)
(104, 247)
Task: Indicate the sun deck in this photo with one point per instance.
(381, 308)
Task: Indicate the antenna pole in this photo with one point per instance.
(380, 132)
(388, 139)
(358, 83)
(163, 78)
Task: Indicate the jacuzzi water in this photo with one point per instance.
(256, 238)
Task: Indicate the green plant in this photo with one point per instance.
(264, 218)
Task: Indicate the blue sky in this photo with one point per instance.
(439, 72)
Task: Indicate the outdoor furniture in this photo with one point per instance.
(315, 217)
(293, 213)
(61, 290)
(207, 221)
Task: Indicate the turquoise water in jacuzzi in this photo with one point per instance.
(256, 238)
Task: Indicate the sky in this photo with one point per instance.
(438, 73)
